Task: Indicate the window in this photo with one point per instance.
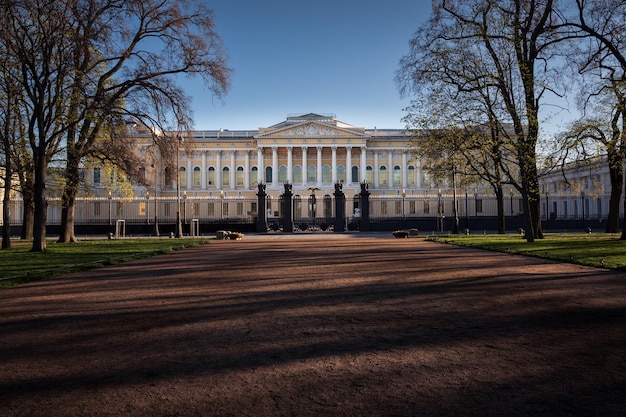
(142, 174)
(383, 208)
(197, 177)
(369, 174)
(268, 174)
(426, 207)
(297, 174)
(240, 176)
(97, 209)
(167, 178)
(412, 207)
(311, 174)
(326, 174)
(398, 207)
(239, 209)
(211, 178)
(411, 175)
(182, 177)
(355, 174)
(479, 206)
(382, 176)
(282, 174)
(254, 176)
(211, 209)
(142, 209)
(225, 177)
(396, 176)
(341, 173)
(97, 176)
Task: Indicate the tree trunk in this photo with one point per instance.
(617, 182)
(40, 215)
(68, 201)
(6, 211)
(27, 213)
(500, 202)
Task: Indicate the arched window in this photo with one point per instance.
(211, 179)
(355, 174)
(382, 176)
(297, 174)
(311, 174)
(341, 173)
(225, 176)
(369, 174)
(268, 174)
(182, 177)
(197, 177)
(167, 178)
(326, 174)
(396, 176)
(411, 175)
(282, 174)
(254, 176)
(240, 176)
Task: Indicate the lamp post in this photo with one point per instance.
(110, 201)
(221, 205)
(184, 208)
(439, 212)
(403, 197)
(179, 232)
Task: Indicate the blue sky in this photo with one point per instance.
(327, 56)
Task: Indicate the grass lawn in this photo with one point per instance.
(18, 265)
(598, 250)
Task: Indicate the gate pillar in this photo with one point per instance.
(339, 224)
(365, 208)
(261, 219)
(288, 208)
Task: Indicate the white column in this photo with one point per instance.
(274, 165)
(319, 166)
(405, 181)
(246, 171)
(218, 170)
(290, 164)
(189, 172)
(260, 165)
(418, 172)
(363, 163)
(390, 170)
(203, 173)
(348, 172)
(333, 168)
(376, 185)
(233, 171)
(305, 168)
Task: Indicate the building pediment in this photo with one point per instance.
(311, 130)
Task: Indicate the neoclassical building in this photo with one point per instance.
(307, 151)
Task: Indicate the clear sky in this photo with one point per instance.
(324, 56)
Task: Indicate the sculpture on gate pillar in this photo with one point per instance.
(261, 222)
(287, 208)
(365, 208)
(339, 224)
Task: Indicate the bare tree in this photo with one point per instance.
(34, 33)
(513, 41)
(126, 55)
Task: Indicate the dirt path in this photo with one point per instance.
(317, 326)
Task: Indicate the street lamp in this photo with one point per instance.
(403, 197)
(439, 212)
(110, 201)
(221, 205)
(179, 229)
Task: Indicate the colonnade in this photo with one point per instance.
(381, 168)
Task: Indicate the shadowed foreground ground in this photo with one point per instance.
(317, 326)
